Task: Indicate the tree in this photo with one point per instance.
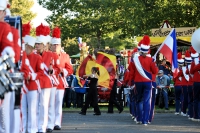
(96, 19)
(22, 8)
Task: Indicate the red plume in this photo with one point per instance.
(47, 30)
(179, 56)
(146, 40)
(192, 50)
(26, 28)
(8, 5)
(56, 32)
(40, 30)
(187, 53)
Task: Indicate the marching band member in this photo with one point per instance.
(143, 68)
(54, 76)
(188, 61)
(130, 81)
(25, 69)
(185, 83)
(195, 68)
(32, 84)
(6, 47)
(45, 80)
(65, 69)
(178, 84)
(153, 95)
(15, 95)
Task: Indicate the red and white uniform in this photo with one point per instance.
(35, 71)
(34, 63)
(149, 68)
(65, 69)
(6, 36)
(54, 76)
(6, 47)
(142, 70)
(17, 45)
(44, 96)
(47, 60)
(15, 113)
(131, 74)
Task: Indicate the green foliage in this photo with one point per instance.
(70, 46)
(22, 8)
(113, 22)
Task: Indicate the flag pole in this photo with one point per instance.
(162, 45)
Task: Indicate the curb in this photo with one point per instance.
(91, 111)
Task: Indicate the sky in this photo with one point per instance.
(42, 13)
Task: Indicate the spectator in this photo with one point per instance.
(164, 67)
(69, 96)
(162, 83)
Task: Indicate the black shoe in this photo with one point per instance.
(166, 108)
(82, 113)
(110, 112)
(49, 130)
(121, 110)
(57, 128)
(97, 114)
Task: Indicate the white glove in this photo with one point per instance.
(8, 51)
(154, 58)
(132, 87)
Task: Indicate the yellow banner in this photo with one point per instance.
(180, 32)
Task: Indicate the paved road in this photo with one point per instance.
(122, 123)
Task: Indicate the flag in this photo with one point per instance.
(109, 62)
(169, 49)
(85, 69)
(81, 70)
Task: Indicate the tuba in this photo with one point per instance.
(195, 40)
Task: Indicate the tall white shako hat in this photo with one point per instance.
(180, 60)
(145, 45)
(3, 4)
(8, 12)
(47, 34)
(56, 36)
(26, 28)
(41, 34)
(194, 54)
(29, 40)
(188, 58)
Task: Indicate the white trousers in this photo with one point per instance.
(24, 112)
(16, 121)
(43, 109)
(51, 111)
(58, 107)
(32, 102)
(6, 114)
